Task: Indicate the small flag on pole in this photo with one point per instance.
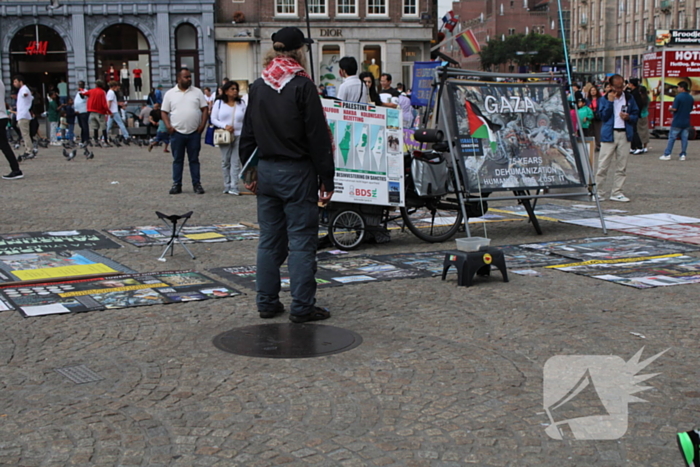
(468, 43)
(450, 20)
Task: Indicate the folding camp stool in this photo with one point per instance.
(175, 235)
(469, 263)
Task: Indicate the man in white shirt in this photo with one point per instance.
(24, 114)
(114, 108)
(352, 89)
(185, 112)
(81, 112)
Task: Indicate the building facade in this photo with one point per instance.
(611, 36)
(82, 40)
(496, 19)
(385, 36)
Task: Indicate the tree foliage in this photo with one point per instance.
(497, 52)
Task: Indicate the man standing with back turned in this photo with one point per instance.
(681, 108)
(185, 112)
(285, 120)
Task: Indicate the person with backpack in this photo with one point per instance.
(619, 113)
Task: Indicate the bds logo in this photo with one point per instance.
(363, 193)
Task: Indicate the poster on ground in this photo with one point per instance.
(123, 291)
(514, 136)
(154, 235)
(39, 242)
(56, 265)
(369, 144)
(641, 273)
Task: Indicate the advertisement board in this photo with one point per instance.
(661, 72)
(514, 136)
(369, 144)
(675, 37)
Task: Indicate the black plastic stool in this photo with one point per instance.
(469, 263)
(175, 235)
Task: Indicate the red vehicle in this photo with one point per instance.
(661, 73)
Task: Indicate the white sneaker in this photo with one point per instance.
(645, 150)
(637, 152)
(620, 198)
(682, 158)
(665, 158)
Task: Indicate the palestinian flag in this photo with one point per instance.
(338, 104)
(479, 126)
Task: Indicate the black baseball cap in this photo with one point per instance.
(291, 37)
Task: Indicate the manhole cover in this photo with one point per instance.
(287, 340)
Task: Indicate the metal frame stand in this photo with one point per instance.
(441, 76)
(175, 235)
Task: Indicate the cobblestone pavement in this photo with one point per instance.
(446, 376)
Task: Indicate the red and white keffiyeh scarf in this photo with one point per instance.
(280, 71)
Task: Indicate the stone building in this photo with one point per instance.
(496, 19)
(611, 36)
(383, 35)
(80, 40)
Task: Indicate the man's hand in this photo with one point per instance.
(611, 96)
(200, 129)
(624, 116)
(252, 187)
(171, 129)
(324, 196)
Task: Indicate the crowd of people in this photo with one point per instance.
(618, 118)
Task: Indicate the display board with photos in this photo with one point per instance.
(369, 145)
(154, 235)
(641, 273)
(514, 136)
(58, 240)
(55, 265)
(612, 247)
(122, 291)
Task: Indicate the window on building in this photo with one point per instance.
(285, 7)
(318, 7)
(697, 18)
(636, 31)
(511, 31)
(410, 7)
(347, 7)
(681, 19)
(376, 7)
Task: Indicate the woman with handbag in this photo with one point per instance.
(227, 116)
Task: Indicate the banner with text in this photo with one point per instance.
(514, 136)
(369, 143)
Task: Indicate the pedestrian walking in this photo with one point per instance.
(53, 115)
(81, 111)
(680, 125)
(285, 121)
(227, 114)
(185, 112)
(619, 113)
(114, 111)
(24, 114)
(15, 172)
(643, 122)
(98, 109)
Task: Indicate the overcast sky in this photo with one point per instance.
(443, 7)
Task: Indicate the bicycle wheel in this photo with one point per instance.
(346, 229)
(434, 221)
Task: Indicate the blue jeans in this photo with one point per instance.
(288, 217)
(69, 133)
(179, 143)
(115, 117)
(672, 135)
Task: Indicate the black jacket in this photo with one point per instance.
(289, 124)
